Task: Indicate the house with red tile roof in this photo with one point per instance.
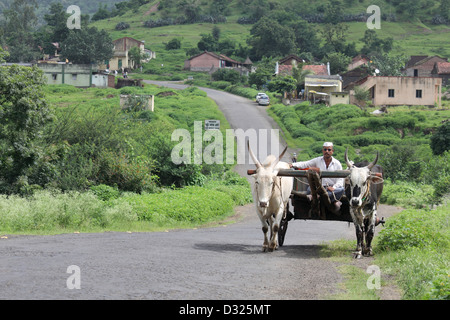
(318, 69)
(418, 66)
(442, 70)
(210, 62)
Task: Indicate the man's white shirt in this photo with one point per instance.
(319, 162)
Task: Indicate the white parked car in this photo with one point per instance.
(259, 95)
(264, 101)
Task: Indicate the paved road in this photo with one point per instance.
(223, 262)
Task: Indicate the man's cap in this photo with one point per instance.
(328, 144)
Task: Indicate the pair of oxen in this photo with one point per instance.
(271, 194)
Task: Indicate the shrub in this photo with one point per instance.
(440, 141)
(47, 210)
(173, 44)
(413, 228)
(122, 26)
(189, 205)
(127, 174)
(440, 288)
(105, 193)
(229, 75)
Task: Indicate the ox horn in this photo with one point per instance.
(374, 162)
(282, 154)
(257, 163)
(279, 157)
(349, 164)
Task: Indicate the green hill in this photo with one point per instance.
(412, 36)
(86, 6)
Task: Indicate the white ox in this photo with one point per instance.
(364, 192)
(270, 195)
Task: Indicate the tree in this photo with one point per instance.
(216, 33)
(20, 20)
(55, 31)
(387, 65)
(270, 38)
(262, 74)
(207, 43)
(191, 9)
(137, 56)
(299, 75)
(338, 62)
(305, 36)
(102, 13)
(361, 95)
(373, 44)
(23, 114)
(173, 44)
(440, 141)
(333, 12)
(282, 84)
(87, 45)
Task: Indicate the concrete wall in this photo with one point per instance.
(404, 90)
(78, 75)
(203, 62)
(339, 97)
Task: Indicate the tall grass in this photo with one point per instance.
(104, 208)
(416, 248)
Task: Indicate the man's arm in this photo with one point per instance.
(305, 164)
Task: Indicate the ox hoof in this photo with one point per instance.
(265, 248)
(368, 252)
(357, 255)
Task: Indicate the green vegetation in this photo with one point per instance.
(106, 208)
(73, 160)
(100, 167)
(415, 246)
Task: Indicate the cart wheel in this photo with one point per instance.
(282, 231)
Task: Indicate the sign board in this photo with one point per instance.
(212, 124)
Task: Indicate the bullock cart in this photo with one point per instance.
(317, 206)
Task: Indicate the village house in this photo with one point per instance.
(319, 69)
(210, 62)
(354, 75)
(291, 60)
(394, 91)
(121, 59)
(78, 75)
(421, 66)
(358, 61)
(319, 88)
(442, 70)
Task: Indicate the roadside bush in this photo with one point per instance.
(220, 84)
(105, 193)
(407, 194)
(127, 174)
(229, 75)
(52, 210)
(188, 205)
(415, 228)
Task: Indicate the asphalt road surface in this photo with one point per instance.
(221, 262)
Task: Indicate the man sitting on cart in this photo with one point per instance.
(334, 187)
